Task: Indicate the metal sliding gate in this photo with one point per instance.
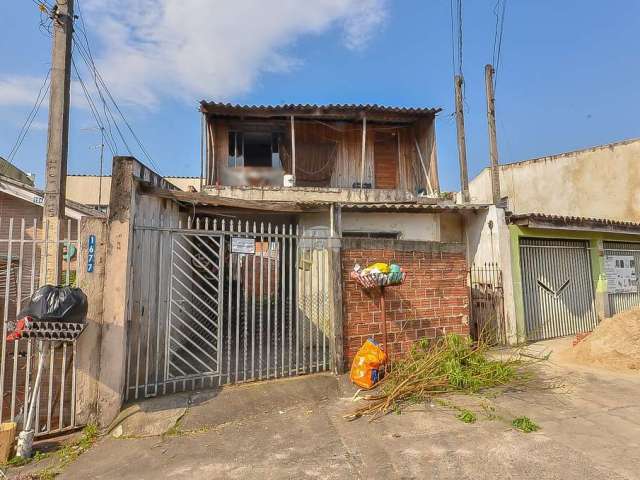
(23, 245)
(219, 302)
(557, 288)
(629, 253)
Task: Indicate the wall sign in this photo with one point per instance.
(243, 245)
(91, 253)
(621, 274)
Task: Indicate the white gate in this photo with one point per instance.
(23, 244)
(218, 302)
(624, 300)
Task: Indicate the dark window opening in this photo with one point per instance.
(254, 149)
(391, 235)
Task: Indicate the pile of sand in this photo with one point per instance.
(614, 344)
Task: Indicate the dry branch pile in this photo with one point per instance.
(448, 364)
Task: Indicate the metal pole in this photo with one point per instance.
(25, 438)
(383, 308)
(293, 150)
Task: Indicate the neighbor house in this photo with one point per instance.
(566, 236)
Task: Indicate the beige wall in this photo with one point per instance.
(85, 188)
(600, 182)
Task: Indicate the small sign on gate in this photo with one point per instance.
(91, 253)
(243, 245)
(621, 274)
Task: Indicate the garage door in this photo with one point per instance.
(557, 288)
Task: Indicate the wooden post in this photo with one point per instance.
(293, 149)
(203, 169)
(364, 150)
(493, 143)
(462, 144)
(335, 268)
(58, 141)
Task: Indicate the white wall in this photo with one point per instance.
(485, 245)
(412, 226)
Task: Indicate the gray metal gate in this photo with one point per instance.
(23, 246)
(619, 302)
(557, 288)
(218, 302)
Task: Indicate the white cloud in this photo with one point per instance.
(19, 90)
(193, 49)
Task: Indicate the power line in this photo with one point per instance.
(94, 111)
(108, 114)
(497, 37)
(26, 126)
(106, 107)
(85, 52)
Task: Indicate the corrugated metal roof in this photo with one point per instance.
(315, 109)
(573, 221)
(413, 206)
(79, 207)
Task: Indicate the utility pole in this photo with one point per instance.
(101, 160)
(462, 144)
(493, 144)
(58, 140)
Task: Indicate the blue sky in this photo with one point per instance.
(568, 77)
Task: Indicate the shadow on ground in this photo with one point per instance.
(295, 429)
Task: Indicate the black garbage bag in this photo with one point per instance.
(57, 304)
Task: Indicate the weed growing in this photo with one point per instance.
(525, 424)
(466, 416)
(447, 364)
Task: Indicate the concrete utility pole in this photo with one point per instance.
(58, 141)
(493, 144)
(462, 144)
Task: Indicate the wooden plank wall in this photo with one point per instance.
(329, 153)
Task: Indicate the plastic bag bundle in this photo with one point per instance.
(378, 275)
(365, 369)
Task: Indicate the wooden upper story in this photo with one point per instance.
(359, 151)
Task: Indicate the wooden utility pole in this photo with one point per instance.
(462, 144)
(493, 144)
(58, 141)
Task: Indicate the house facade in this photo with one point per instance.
(249, 278)
(566, 238)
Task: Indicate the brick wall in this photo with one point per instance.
(434, 299)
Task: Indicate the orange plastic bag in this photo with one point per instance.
(365, 370)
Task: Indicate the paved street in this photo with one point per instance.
(294, 429)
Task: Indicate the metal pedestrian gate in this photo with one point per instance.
(218, 302)
(557, 288)
(626, 298)
(24, 243)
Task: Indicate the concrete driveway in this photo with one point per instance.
(590, 428)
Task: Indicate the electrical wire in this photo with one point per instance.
(94, 111)
(103, 86)
(26, 126)
(497, 37)
(86, 54)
